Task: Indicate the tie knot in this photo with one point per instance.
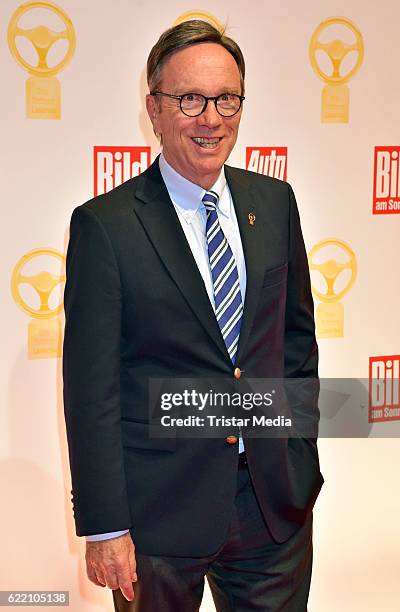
(210, 200)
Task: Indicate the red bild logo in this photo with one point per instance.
(115, 165)
(271, 161)
(386, 199)
(384, 388)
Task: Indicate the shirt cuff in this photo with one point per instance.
(106, 536)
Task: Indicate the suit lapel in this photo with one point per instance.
(252, 238)
(160, 221)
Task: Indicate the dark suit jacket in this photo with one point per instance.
(136, 307)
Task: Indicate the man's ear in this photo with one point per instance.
(153, 111)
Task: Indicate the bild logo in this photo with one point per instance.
(271, 161)
(386, 181)
(384, 388)
(115, 165)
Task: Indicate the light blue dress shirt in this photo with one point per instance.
(187, 200)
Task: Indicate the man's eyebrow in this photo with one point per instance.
(195, 90)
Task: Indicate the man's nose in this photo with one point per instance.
(210, 117)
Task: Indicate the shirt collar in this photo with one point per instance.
(187, 196)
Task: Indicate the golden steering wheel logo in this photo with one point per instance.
(333, 268)
(335, 94)
(44, 328)
(43, 92)
(202, 16)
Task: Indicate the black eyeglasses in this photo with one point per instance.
(193, 104)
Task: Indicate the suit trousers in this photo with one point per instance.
(250, 571)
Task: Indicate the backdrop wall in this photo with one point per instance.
(329, 126)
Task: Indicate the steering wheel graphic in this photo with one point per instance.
(42, 38)
(336, 50)
(331, 269)
(43, 283)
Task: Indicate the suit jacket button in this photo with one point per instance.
(231, 439)
(237, 373)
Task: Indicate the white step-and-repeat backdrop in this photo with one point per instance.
(321, 111)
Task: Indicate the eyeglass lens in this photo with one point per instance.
(194, 104)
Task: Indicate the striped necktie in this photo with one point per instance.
(225, 278)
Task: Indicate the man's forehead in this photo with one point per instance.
(202, 64)
(201, 54)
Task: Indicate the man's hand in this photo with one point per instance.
(112, 563)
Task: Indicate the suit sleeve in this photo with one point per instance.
(91, 372)
(301, 350)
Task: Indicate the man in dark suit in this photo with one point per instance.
(193, 269)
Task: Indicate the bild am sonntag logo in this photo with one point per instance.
(386, 181)
(115, 165)
(384, 388)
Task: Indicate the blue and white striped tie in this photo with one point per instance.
(227, 296)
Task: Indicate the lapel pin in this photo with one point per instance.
(252, 218)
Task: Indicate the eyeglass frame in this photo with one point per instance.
(206, 100)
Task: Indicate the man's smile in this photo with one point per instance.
(207, 143)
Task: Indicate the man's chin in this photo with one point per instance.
(210, 162)
(209, 166)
